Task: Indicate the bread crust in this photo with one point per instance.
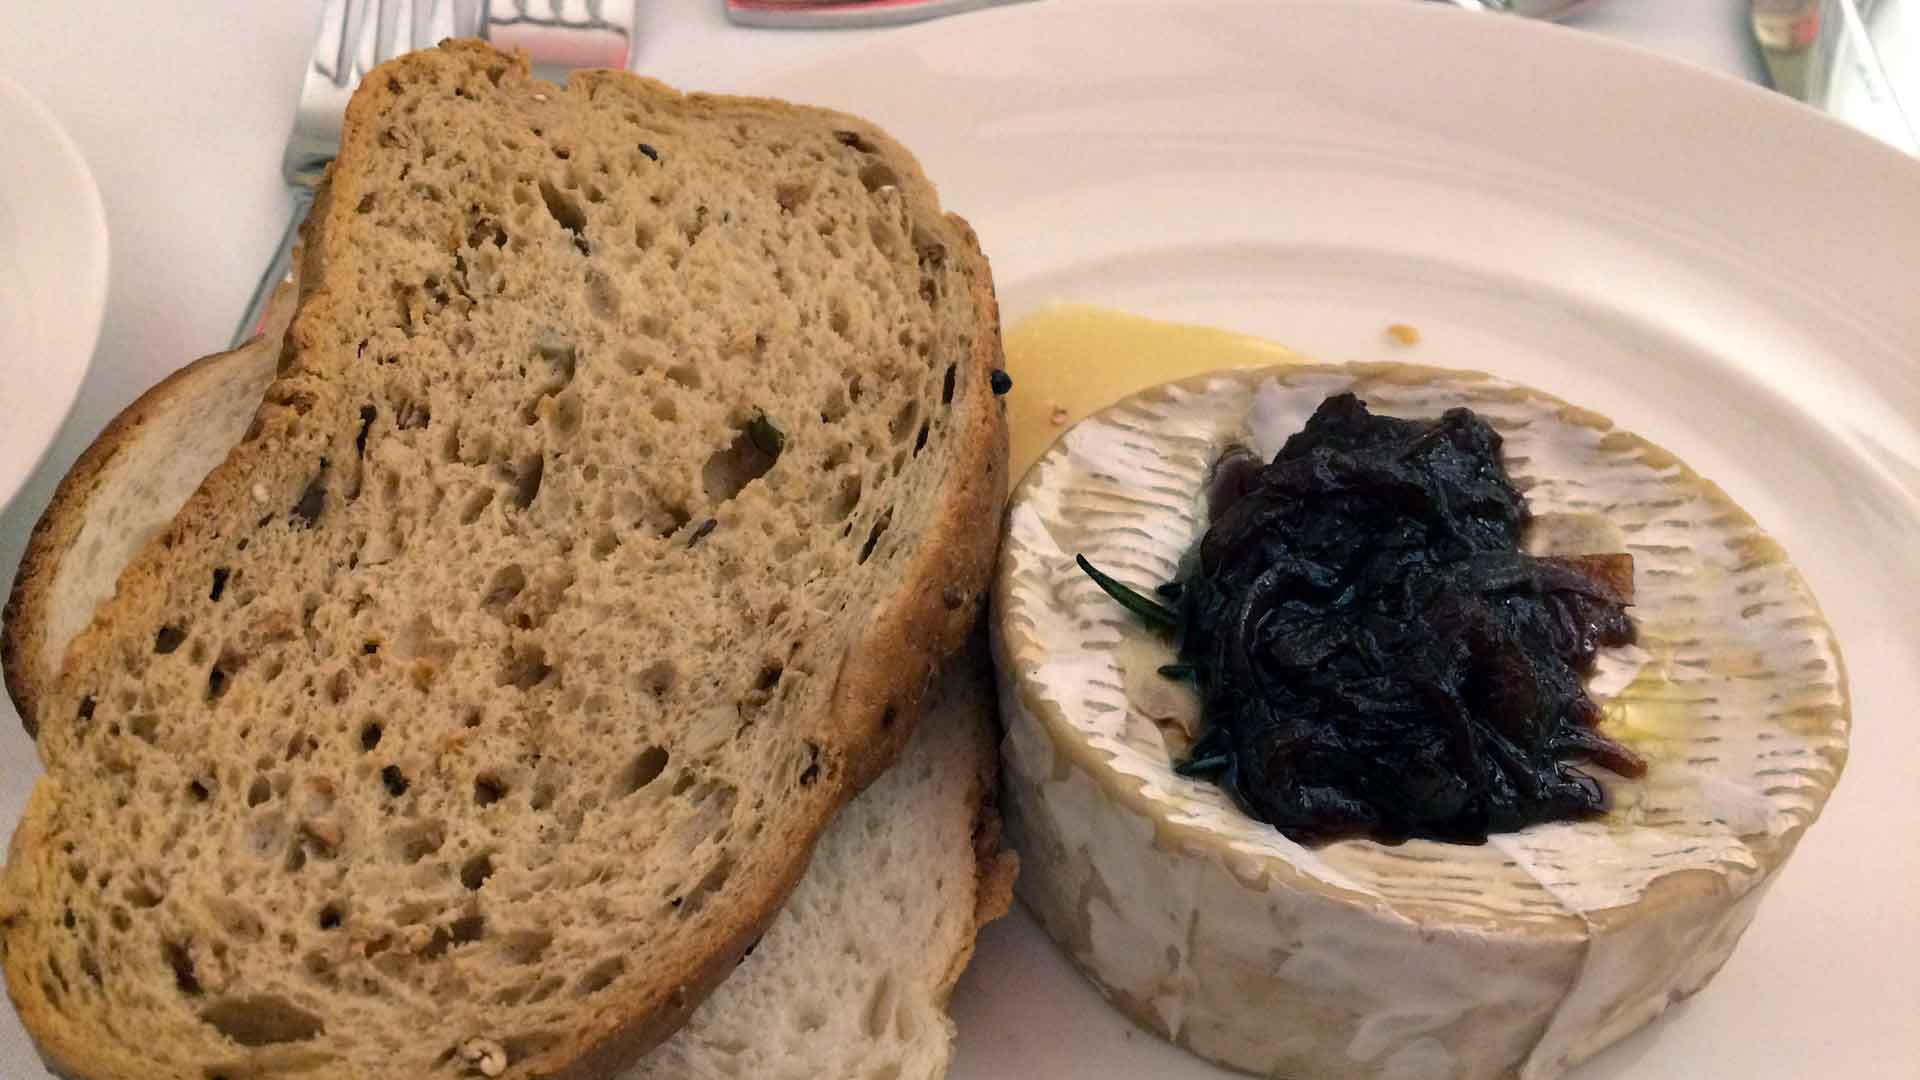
(877, 688)
(996, 866)
(23, 626)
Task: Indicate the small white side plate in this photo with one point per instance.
(53, 281)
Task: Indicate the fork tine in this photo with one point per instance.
(362, 39)
(391, 19)
(428, 19)
(329, 43)
(469, 17)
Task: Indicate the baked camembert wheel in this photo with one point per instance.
(1519, 957)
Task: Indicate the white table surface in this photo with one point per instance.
(181, 108)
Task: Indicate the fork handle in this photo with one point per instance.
(277, 269)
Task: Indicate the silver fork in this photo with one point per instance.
(357, 36)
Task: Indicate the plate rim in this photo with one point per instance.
(1787, 118)
(95, 257)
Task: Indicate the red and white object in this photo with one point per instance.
(826, 14)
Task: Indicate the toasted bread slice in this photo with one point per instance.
(828, 991)
(630, 463)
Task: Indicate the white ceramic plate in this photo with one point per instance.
(53, 280)
(1713, 266)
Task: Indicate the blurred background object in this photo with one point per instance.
(1538, 9)
(1856, 59)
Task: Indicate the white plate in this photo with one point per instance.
(1715, 267)
(53, 280)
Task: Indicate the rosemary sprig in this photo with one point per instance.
(1145, 607)
(1203, 767)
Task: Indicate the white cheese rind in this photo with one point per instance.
(1519, 957)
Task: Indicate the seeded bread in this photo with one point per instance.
(630, 462)
(828, 991)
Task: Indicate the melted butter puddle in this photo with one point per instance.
(1073, 360)
(1648, 716)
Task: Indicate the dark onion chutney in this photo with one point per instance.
(1375, 654)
